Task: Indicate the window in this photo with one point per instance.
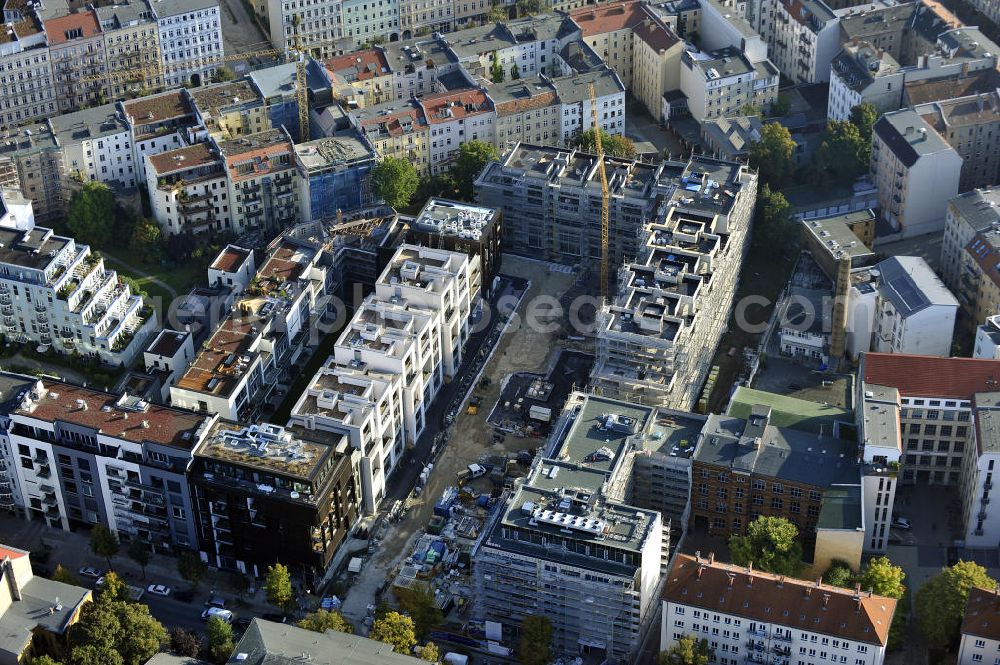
(177, 512)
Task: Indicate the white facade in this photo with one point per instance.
(575, 104)
(804, 37)
(26, 82)
(721, 83)
(988, 339)
(190, 38)
(97, 146)
(368, 20)
(393, 358)
(320, 23)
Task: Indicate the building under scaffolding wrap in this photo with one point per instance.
(566, 544)
(656, 341)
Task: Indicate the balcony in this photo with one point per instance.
(5, 298)
(782, 637)
(988, 485)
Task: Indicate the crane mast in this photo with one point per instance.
(604, 193)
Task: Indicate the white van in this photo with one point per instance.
(225, 615)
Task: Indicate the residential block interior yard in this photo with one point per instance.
(630, 332)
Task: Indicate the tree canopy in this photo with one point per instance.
(773, 225)
(689, 650)
(472, 157)
(430, 653)
(771, 544)
(113, 587)
(613, 144)
(62, 574)
(772, 154)
(191, 567)
(420, 605)
(113, 631)
(321, 621)
(864, 116)
(535, 647)
(395, 629)
(103, 543)
(940, 602)
(843, 153)
(91, 215)
(395, 180)
(882, 577)
(496, 69)
(184, 643)
(220, 640)
(278, 585)
(140, 552)
(839, 574)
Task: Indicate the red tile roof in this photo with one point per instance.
(57, 29)
(982, 614)
(449, 106)
(655, 35)
(792, 603)
(96, 410)
(607, 18)
(181, 159)
(230, 258)
(11, 552)
(370, 63)
(930, 376)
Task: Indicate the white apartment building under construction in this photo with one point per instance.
(403, 342)
(655, 341)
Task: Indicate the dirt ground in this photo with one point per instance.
(523, 348)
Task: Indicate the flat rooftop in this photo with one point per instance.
(835, 234)
(332, 151)
(34, 249)
(168, 342)
(597, 438)
(841, 509)
(452, 218)
(673, 433)
(222, 96)
(265, 447)
(154, 109)
(789, 412)
(230, 258)
(183, 159)
(88, 124)
(116, 416)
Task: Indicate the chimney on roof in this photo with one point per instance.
(732, 578)
(826, 599)
(857, 589)
(809, 592)
(697, 556)
(781, 581)
(749, 567)
(701, 569)
(711, 558)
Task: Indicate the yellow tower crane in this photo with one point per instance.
(605, 213)
(301, 90)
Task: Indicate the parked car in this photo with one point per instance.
(901, 523)
(100, 582)
(158, 589)
(216, 601)
(93, 573)
(225, 615)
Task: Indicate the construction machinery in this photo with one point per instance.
(605, 203)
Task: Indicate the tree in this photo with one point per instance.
(771, 544)
(144, 635)
(147, 240)
(535, 647)
(472, 157)
(44, 660)
(689, 650)
(839, 574)
(781, 106)
(772, 154)
(395, 629)
(91, 654)
(843, 153)
(103, 542)
(419, 603)
(515, 72)
(613, 144)
(220, 639)
(133, 284)
(113, 588)
(191, 567)
(395, 180)
(882, 577)
(112, 632)
(528, 7)
(61, 574)
(91, 215)
(429, 652)
(138, 551)
(864, 116)
(439, 186)
(223, 74)
(773, 224)
(321, 621)
(184, 643)
(499, 14)
(940, 602)
(496, 69)
(278, 586)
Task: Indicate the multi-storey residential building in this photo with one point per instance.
(455, 118)
(978, 471)
(916, 173)
(318, 25)
(900, 305)
(803, 37)
(88, 457)
(426, 16)
(189, 190)
(722, 83)
(167, 357)
(465, 11)
(267, 330)
(765, 617)
(403, 342)
(54, 293)
(574, 100)
(682, 16)
(36, 611)
(967, 214)
(362, 78)
(673, 302)
(369, 21)
(38, 161)
(418, 64)
(527, 111)
(550, 200)
(656, 56)
(828, 238)
(96, 145)
(564, 544)
(988, 339)
(276, 87)
(190, 39)
(131, 41)
(991, 9)
(230, 109)
(397, 129)
(26, 83)
(879, 24)
(460, 227)
(263, 493)
(863, 73)
(333, 175)
(979, 284)
(971, 125)
(13, 387)
(263, 182)
(980, 631)
(157, 123)
(532, 43)
(743, 469)
(76, 51)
